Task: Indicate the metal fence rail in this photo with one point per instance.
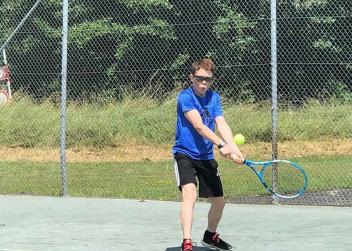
(137, 54)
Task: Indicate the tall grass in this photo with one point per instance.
(145, 121)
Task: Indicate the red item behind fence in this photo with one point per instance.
(5, 73)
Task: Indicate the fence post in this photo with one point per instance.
(274, 107)
(64, 190)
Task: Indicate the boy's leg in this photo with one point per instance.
(215, 212)
(189, 196)
(211, 238)
(210, 186)
(187, 183)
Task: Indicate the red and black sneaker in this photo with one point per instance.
(187, 245)
(212, 240)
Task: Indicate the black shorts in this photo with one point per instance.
(187, 169)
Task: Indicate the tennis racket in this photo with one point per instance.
(282, 178)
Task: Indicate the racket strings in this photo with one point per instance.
(283, 178)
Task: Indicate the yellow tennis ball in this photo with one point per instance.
(239, 139)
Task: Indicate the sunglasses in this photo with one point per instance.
(206, 79)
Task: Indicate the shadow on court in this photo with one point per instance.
(194, 248)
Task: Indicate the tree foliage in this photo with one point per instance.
(119, 44)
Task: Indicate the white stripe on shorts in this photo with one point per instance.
(177, 174)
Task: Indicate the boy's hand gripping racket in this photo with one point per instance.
(282, 178)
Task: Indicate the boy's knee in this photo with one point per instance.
(218, 202)
(189, 189)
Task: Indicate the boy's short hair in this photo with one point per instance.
(205, 63)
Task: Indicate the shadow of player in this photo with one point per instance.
(195, 248)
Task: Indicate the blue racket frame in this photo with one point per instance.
(265, 164)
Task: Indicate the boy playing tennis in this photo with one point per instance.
(199, 110)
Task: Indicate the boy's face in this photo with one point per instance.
(202, 79)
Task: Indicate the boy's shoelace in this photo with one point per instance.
(216, 238)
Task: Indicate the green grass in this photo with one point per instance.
(143, 121)
(27, 124)
(155, 180)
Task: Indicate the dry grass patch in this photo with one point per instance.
(132, 153)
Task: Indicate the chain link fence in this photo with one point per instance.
(126, 62)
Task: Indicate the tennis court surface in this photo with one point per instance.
(51, 223)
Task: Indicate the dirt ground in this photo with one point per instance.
(155, 153)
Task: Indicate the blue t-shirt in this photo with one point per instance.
(188, 140)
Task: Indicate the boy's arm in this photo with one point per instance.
(195, 119)
(226, 133)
